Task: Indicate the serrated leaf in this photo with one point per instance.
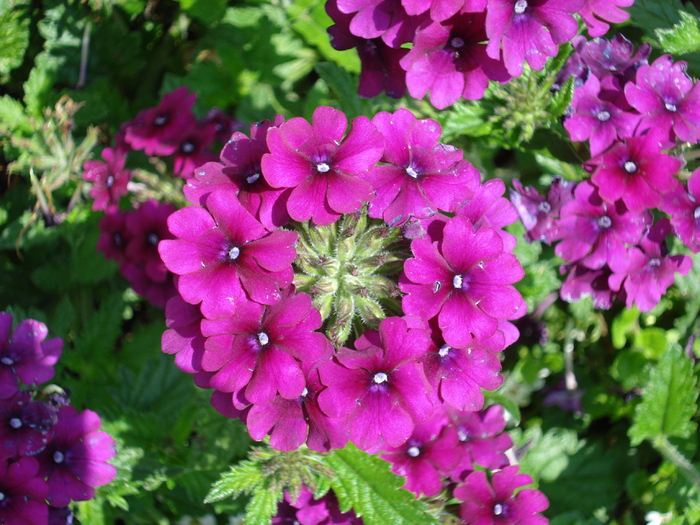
(465, 119)
(14, 35)
(344, 86)
(683, 37)
(244, 477)
(363, 482)
(668, 401)
(562, 98)
(262, 506)
(13, 116)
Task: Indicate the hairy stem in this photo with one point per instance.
(672, 454)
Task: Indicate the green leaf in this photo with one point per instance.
(624, 324)
(13, 116)
(668, 401)
(14, 35)
(208, 11)
(344, 86)
(365, 483)
(683, 37)
(653, 14)
(262, 506)
(243, 478)
(468, 119)
(562, 98)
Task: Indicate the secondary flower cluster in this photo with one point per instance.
(632, 113)
(50, 454)
(458, 46)
(307, 510)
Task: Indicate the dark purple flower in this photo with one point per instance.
(490, 503)
(23, 493)
(465, 278)
(599, 14)
(306, 510)
(449, 59)
(224, 125)
(615, 56)
(321, 164)
(529, 30)
(240, 171)
(651, 270)
(155, 292)
(421, 176)
(380, 387)
(635, 171)
(114, 235)
(159, 130)
(24, 354)
(192, 149)
(222, 254)
(146, 227)
(540, 214)
(684, 209)
(75, 462)
(60, 516)
(183, 337)
(667, 98)
(109, 178)
(581, 282)
(25, 425)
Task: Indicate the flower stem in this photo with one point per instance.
(672, 454)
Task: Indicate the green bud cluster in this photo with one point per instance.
(351, 268)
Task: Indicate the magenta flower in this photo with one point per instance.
(599, 14)
(183, 337)
(430, 452)
(421, 176)
(636, 171)
(259, 348)
(380, 387)
(489, 503)
(192, 149)
(595, 233)
(584, 282)
(380, 18)
(109, 178)
(596, 118)
(684, 209)
(529, 30)
(449, 59)
(540, 215)
(24, 493)
(667, 98)
(159, 130)
(651, 270)
(306, 510)
(441, 9)
(222, 254)
(322, 165)
(25, 425)
(114, 235)
(25, 355)
(75, 462)
(240, 171)
(224, 124)
(465, 278)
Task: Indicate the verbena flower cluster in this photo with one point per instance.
(354, 285)
(51, 454)
(458, 46)
(168, 133)
(637, 118)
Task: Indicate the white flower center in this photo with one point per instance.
(671, 107)
(544, 207)
(110, 181)
(252, 178)
(604, 221)
(413, 452)
(520, 7)
(2, 496)
(411, 172)
(160, 120)
(457, 42)
(7, 361)
(696, 213)
(630, 167)
(58, 456)
(380, 377)
(187, 147)
(462, 434)
(498, 509)
(305, 392)
(322, 167)
(603, 116)
(457, 281)
(654, 262)
(15, 422)
(234, 252)
(444, 350)
(263, 339)
(152, 239)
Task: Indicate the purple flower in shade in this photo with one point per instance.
(192, 149)
(159, 130)
(599, 14)
(582, 281)
(222, 253)
(540, 214)
(421, 176)
(684, 209)
(596, 118)
(490, 209)
(465, 278)
(224, 125)
(183, 337)
(529, 30)
(667, 98)
(240, 171)
(380, 387)
(651, 270)
(75, 462)
(615, 56)
(259, 349)
(635, 171)
(380, 69)
(430, 452)
(146, 227)
(459, 374)
(25, 355)
(291, 422)
(595, 232)
(440, 9)
(156, 293)
(322, 165)
(380, 18)
(60, 516)
(481, 440)
(306, 510)
(25, 425)
(109, 178)
(23, 493)
(449, 59)
(114, 235)
(490, 503)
